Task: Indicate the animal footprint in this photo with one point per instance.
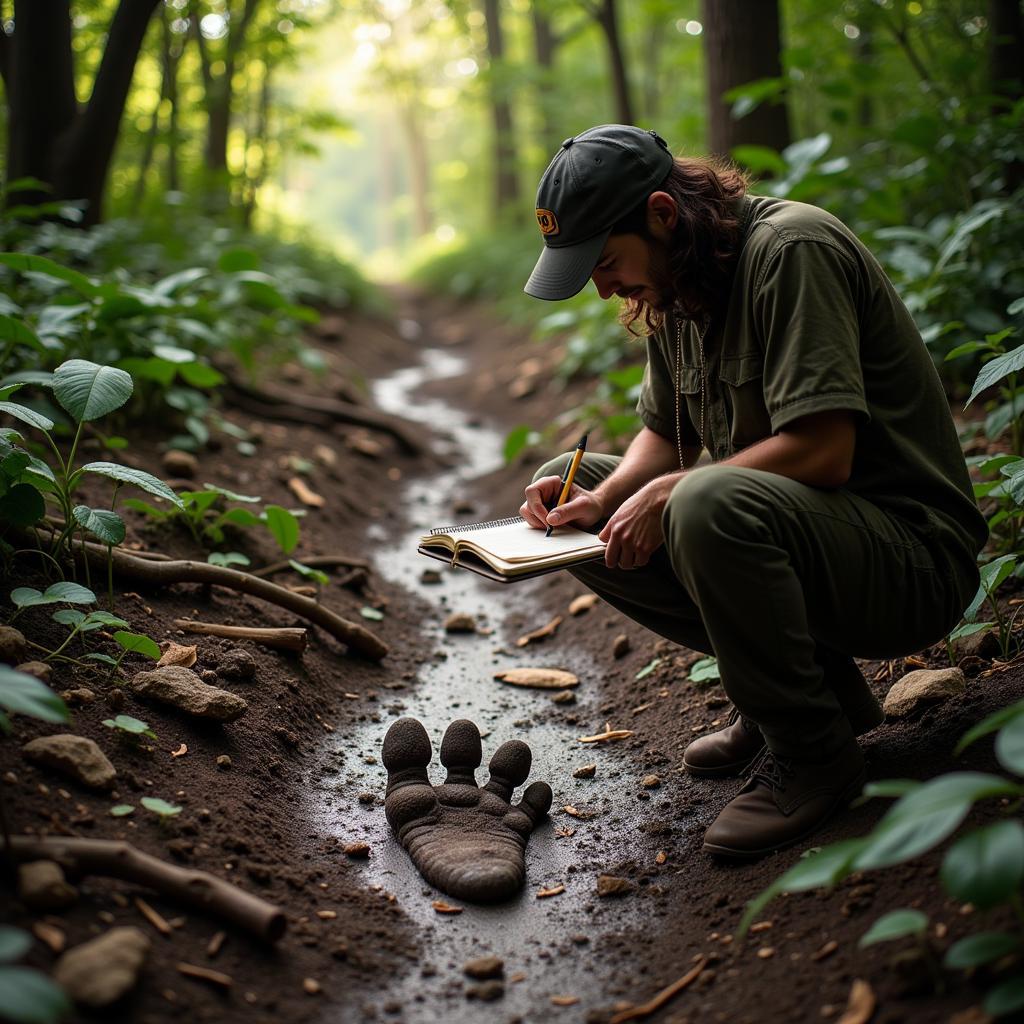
(466, 841)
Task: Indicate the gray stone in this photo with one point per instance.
(41, 885)
(183, 689)
(485, 967)
(921, 687)
(75, 756)
(97, 973)
(13, 645)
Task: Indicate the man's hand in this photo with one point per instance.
(581, 509)
(634, 531)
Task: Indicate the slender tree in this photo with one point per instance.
(506, 180)
(51, 136)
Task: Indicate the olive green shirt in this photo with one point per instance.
(812, 323)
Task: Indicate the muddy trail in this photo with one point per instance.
(296, 815)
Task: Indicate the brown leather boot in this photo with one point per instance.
(732, 750)
(784, 802)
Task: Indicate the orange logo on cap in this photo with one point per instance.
(548, 222)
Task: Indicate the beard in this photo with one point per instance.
(660, 274)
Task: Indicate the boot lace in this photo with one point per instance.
(772, 770)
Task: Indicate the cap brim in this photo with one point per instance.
(562, 271)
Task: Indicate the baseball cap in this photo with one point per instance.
(594, 180)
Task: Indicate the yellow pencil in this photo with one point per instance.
(568, 476)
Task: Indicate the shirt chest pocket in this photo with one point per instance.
(742, 388)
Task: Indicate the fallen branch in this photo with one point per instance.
(287, 638)
(115, 859)
(655, 1004)
(311, 410)
(318, 561)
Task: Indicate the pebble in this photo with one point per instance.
(209, 676)
(224, 761)
(41, 884)
(13, 645)
(587, 771)
(181, 688)
(651, 781)
(460, 622)
(357, 849)
(179, 463)
(100, 971)
(923, 686)
(80, 696)
(39, 669)
(310, 986)
(612, 885)
(484, 967)
(564, 697)
(75, 756)
(430, 576)
(620, 646)
(237, 664)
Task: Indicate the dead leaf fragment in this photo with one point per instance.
(180, 752)
(553, 891)
(50, 934)
(861, 1004)
(304, 493)
(608, 734)
(541, 678)
(178, 654)
(582, 604)
(445, 908)
(564, 1000)
(540, 634)
(205, 974)
(827, 950)
(661, 857)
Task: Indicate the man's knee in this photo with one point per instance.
(555, 467)
(704, 503)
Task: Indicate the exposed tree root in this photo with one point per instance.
(115, 859)
(289, 639)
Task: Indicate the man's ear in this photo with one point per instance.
(662, 215)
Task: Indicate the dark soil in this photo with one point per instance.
(253, 823)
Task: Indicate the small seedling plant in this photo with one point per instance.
(130, 729)
(161, 808)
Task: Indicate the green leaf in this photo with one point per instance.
(996, 369)
(122, 810)
(227, 558)
(897, 924)
(29, 997)
(1005, 998)
(980, 949)
(138, 477)
(126, 723)
(137, 643)
(238, 258)
(232, 495)
(100, 522)
(158, 806)
(1010, 745)
(967, 348)
(106, 659)
(989, 724)
(15, 332)
(68, 616)
(968, 629)
(240, 517)
(14, 943)
(41, 265)
(986, 866)
(104, 618)
(22, 505)
(200, 375)
(517, 439)
(371, 613)
(26, 415)
(1015, 307)
(889, 788)
(88, 391)
(283, 525)
(648, 668)
(26, 695)
(309, 572)
(704, 670)
(28, 597)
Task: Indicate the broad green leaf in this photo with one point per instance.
(14, 943)
(968, 629)
(126, 723)
(22, 505)
(138, 477)
(29, 997)
(518, 439)
(106, 659)
(283, 525)
(104, 618)
(200, 375)
(68, 616)
(648, 668)
(27, 597)
(704, 670)
(238, 258)
(138, 644)
(1005, 998)
(167, 286)
(996, 369)
(980, 949)
(233, 495)
(100, 522)
(158, 806)
(88, 391)
(962, 235)
(1010, 745)
(227, 558)
(121, 307)
(121, 810)
(197, 502)
(240, 517)
(371, 613)
(174, 354)
(41, 265)
(986, 866)
(74, 593)
(1015, 307)
(889, 788)
(966, 349)
(26, 415)
(897, 924)
(26, 695)
(14, 332)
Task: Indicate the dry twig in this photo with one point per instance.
(655, 1004)
(289, 638)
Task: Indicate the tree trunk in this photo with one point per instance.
(544, 47)
(172, 54)
(741, 45)
(506, 181)
(49, 136)
(419, 167)
(1006, 68)
(258, 135)
(607, 18)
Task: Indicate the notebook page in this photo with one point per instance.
(521, 543)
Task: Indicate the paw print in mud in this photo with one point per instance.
(467, 841)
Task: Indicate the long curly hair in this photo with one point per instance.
(704, 242)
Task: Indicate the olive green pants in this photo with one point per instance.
(776, 578)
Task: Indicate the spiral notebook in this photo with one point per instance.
(510, 549)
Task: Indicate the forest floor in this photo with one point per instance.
(364, 941)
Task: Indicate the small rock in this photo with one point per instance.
(115, 699)
(39, 669)
(612, 885)
(237, 664)
(587, 771)
(358, 849)
(460, 622)
(97, 973)
(75, 756)
(485, 967)
(486, 991)
(224, 762)
(310, 986)
(41, 884)
(921, 687)
(564, 697)
(620, 646)
(582, 604)
(13, 645)
(978, 645)
(78, 697)
(209, 676)
(651, 781)
(178, 463)
(430, 576)
(183, 689)
(367, 798)
(464, 508)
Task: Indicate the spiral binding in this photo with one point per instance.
(466, 527)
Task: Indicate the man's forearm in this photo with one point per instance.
(649, 455)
